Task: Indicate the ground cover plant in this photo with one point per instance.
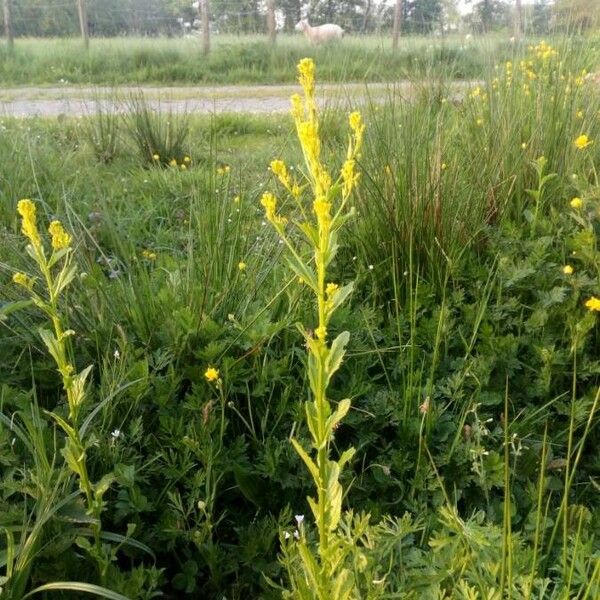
(153, 376)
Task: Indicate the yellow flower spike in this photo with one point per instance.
(269, 203)
(593, 304)
(349, 177)
(306, 76)
(21, 279)
(582, 141)
(26, 208)
(211, 374)
(576, 202)
(60, 238)
(567, 270)
(242, 265)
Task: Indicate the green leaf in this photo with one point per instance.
(310, 232)
(341, 411)
(336, 354)
(308, 461)
(343, 585)
(103, 485)
(64, 278)
(76, 586)
(340, 297)
(303, 272)
(345, 457)
(11, 307)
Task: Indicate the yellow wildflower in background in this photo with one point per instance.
(60, 238)
(567, 270)
(581, 142)
(149, 254)
(593, 304)
(222, 170)
(211, 374)
(26, 208)
(21, 279)
(187, 159)
(173, 162)
(576, 202)
(155, 157)
(280, 171)
(269, 203)
(242, 265)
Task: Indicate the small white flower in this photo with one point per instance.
(116, 434)
(286, 535)
(371, 267)
(117, 354)
(297, 534)
(299, 519)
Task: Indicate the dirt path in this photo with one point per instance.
(79, 101)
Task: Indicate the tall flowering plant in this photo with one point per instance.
(54, 272)
(319, 220)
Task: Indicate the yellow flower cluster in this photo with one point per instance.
(149, 255)
(593, 304)
(21, 279)
(60, 238)
(211, 374)
(26, 208)
(223, 169)
(582, 141)
(543, 51)
(576, 203)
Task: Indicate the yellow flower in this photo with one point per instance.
(331, 289)
(321, 333)
(156, 157)
(580, 114)
(280, 171)
(211, 374)
(21, 279)
(187, 159)
(576, 202)
(297, 107)
(444, 166)
(593, 304)
(524, 145)
(479, 121)
(269, 203)
(322, 209)
(26, 208)
(222, 170)
(242, 265)
(149, 254)
(567, 270)
(236, 200)
(173, 162)
(581, 142)
(183, 166)
(60, 238)
(349, 177)
(306, 75)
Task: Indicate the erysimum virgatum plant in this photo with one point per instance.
(322, 573)
(54, 272)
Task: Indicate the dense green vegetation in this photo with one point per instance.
(251, 59)
(472, 365)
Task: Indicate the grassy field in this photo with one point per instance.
(153, 373)
(249, 59)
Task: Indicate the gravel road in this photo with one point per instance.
(80, 101)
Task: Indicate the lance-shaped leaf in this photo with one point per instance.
(64, 278)
(308, 461)
(340, 412)
(311, 233)
(333, 495)
(343, 585)
(78, 385)
(11, 307)
(303, 272)
(339, 297)
(52, 344)
(336, 354)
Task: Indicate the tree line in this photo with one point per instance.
(42, 18)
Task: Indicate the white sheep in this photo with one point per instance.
(320, 33)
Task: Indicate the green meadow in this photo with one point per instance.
(369, 369)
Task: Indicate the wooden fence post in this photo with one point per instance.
(518, 20)
(83, 23)
(204, 16)
(397, 24)
(271, 27)
(8, 28)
